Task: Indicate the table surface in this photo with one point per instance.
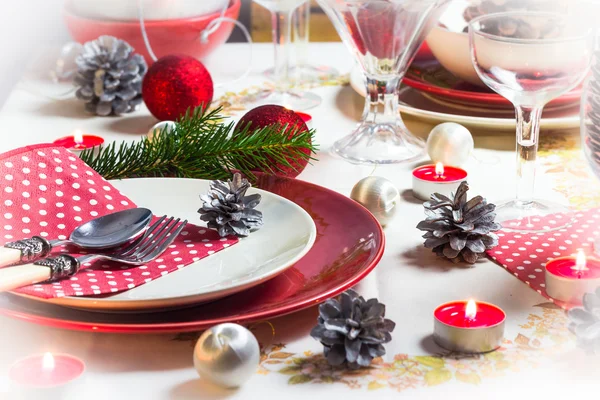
(539, 360)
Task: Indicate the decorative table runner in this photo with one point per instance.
(525, 255)
(47, 191)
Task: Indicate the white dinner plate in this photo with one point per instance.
(415, 104)
(287, 235)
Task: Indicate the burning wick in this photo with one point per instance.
(48, 363)
(580, 263)
(78, 139)
(471, 310)
(439, 171)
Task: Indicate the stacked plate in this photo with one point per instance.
(315, 244)
(432, 93)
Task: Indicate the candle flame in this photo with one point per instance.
(471, 310)
(580, 262)
(48, 362)
(78, 137)
(439, 169)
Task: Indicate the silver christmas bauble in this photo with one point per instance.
(378, 195)
(170, 125)
(227, 355)
(450, 144)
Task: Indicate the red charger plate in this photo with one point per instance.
(429, 76)
(349, 245)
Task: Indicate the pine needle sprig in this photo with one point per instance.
(202, 146)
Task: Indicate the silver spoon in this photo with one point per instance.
(108, 231)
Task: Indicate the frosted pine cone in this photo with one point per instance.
(227, 209)
(352, 330)
(459, 229)
(585, 322)
(109, 76)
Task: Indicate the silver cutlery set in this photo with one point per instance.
(124, 237)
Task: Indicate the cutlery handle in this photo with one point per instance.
(9, 256)
(47, 269)
(29, 250)
(22, 275)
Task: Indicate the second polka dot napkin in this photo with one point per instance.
(526, 255)
(47, 191)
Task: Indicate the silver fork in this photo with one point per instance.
(152, 244)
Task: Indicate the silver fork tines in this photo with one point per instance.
(153, 243)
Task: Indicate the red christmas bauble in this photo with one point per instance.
(267, 115)
(174, 84)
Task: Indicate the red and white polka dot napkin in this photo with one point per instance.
(47, 191)
(526, 255)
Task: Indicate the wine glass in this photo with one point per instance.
(284, 94)
(384, 37)
(304, 71)
(530, 58)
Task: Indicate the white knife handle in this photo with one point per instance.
(30, 249)
(54, 268)
(22, 275)
(9, 256)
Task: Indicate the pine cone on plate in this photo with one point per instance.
(352, 330)
(512, 27)
(227, 209)
(459, 229)
(109, 76)
(585, 322)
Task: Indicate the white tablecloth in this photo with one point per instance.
(409, 280)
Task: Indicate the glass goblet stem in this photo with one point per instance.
(381, 106)
(281, 37)
(301, 34)
(528, 131)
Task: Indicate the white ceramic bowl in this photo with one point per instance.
(126, 10)
(450, 45)
(452, 51)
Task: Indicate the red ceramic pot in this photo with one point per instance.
(175, 36)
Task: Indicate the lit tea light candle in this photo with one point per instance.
(46, 375)
(469, 327)
(79, 142)
(437, 178)
(569, 278)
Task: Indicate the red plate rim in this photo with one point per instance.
(478, 97)
(197, 325)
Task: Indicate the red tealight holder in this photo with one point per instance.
(569, 278)
(306, 118)
(79, 142)
(46, 374)
(469, 327)
(438, 178)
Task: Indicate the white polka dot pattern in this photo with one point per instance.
(525, 256)
(23, 213)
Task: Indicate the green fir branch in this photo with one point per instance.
(203, 147)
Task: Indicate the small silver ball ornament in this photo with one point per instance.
(227, 355)
(378, 195)
(450, 143)
(170, 125)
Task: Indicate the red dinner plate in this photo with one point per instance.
(349, 245)
(430, 77)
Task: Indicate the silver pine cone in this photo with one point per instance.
(459, 229)
(227, 209)
(109, 76)
(585, 322)
(352, 330)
